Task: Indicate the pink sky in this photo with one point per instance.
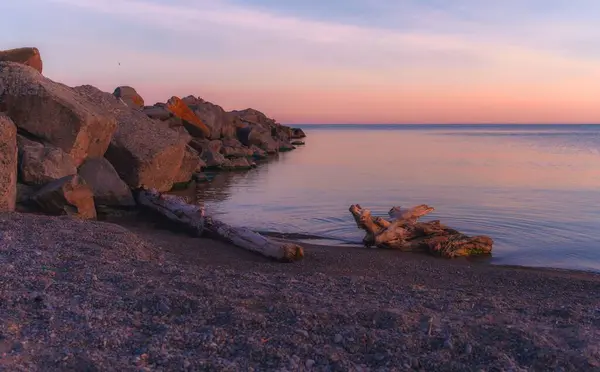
(357, 61)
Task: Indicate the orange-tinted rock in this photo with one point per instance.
(8, 164)
(67, 196)
(129, 96)
(221, 124)
(25, 56)
(192, 123)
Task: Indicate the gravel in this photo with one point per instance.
(95, 296)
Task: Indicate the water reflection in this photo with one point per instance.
(536, 195)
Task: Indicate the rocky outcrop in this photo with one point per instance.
(54, 112)
(108, 189)
(26, 56)
(191, 164)
(8, 164)
(67, 196)
(158, 112)
(192, 123)
(144, 152)
(40, 164)
(258, 136)
(221, 124)
(129, 96)
(232, 148)
(297, 133)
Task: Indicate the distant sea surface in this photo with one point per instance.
(535, 189)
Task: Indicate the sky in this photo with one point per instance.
(334, 61)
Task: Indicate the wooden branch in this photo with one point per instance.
(192, 217)
(406, 234)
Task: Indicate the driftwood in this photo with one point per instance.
(404, 232)
(192, 217)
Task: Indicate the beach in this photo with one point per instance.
(139, 296)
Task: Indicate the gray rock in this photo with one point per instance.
(130, 97)
(108, 188)
(54, 112)
(144, 152)
(40, 164)
(67, 196)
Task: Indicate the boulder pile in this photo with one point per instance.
(67, 150)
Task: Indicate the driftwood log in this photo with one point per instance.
(193, 218)
(404, 232)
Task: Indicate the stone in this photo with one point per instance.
(157, 112)
(108, 188)
(54, 112)
(8, 164)
(191, 164)
(214, 159)
(221, 124)
(258, 153)
(233, 148)
(143, 151)
(192, 123)
(258, 136)
(24, 193)
(239, 164)
(297, 133)
(67, 196)
(40, 164)
(129, 96)
(27, 56)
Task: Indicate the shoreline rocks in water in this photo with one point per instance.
(71, 150)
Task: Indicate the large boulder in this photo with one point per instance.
(192, 123)
(191, 164)
(144, 152)
(107, 187)
(130, 97)
(233, 148)
(40, 164)
(26, 56)
(67, 196)
(297, 133)
(258, 136)
(158, 112)
(54, 112)
(221, 124)
(8, 164)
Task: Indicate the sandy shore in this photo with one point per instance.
(92, 296)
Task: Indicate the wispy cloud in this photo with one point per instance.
(293, 54)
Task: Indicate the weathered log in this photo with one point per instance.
(189, 216)
(406, 234)
(192, 217)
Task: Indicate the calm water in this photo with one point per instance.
(534, 189)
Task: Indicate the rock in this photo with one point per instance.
(129, 96)
(233, 148)
(54, 112)
(285, 146)
(8, 164)
(221, 124)
(214, 159)
(67, 196)
(25, 192)
(191, 164)
(192, 123)
(338, 338)
(298, 143)
(309, 363)
(238, 164)
(297, 133)
(144, 152)
(25, 56)
(258, 153)
(107, 187)
(255, 135)
(40, 164)
(157, 112)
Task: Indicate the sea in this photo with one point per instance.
(535, 189)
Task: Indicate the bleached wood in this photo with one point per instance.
(192, 217)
